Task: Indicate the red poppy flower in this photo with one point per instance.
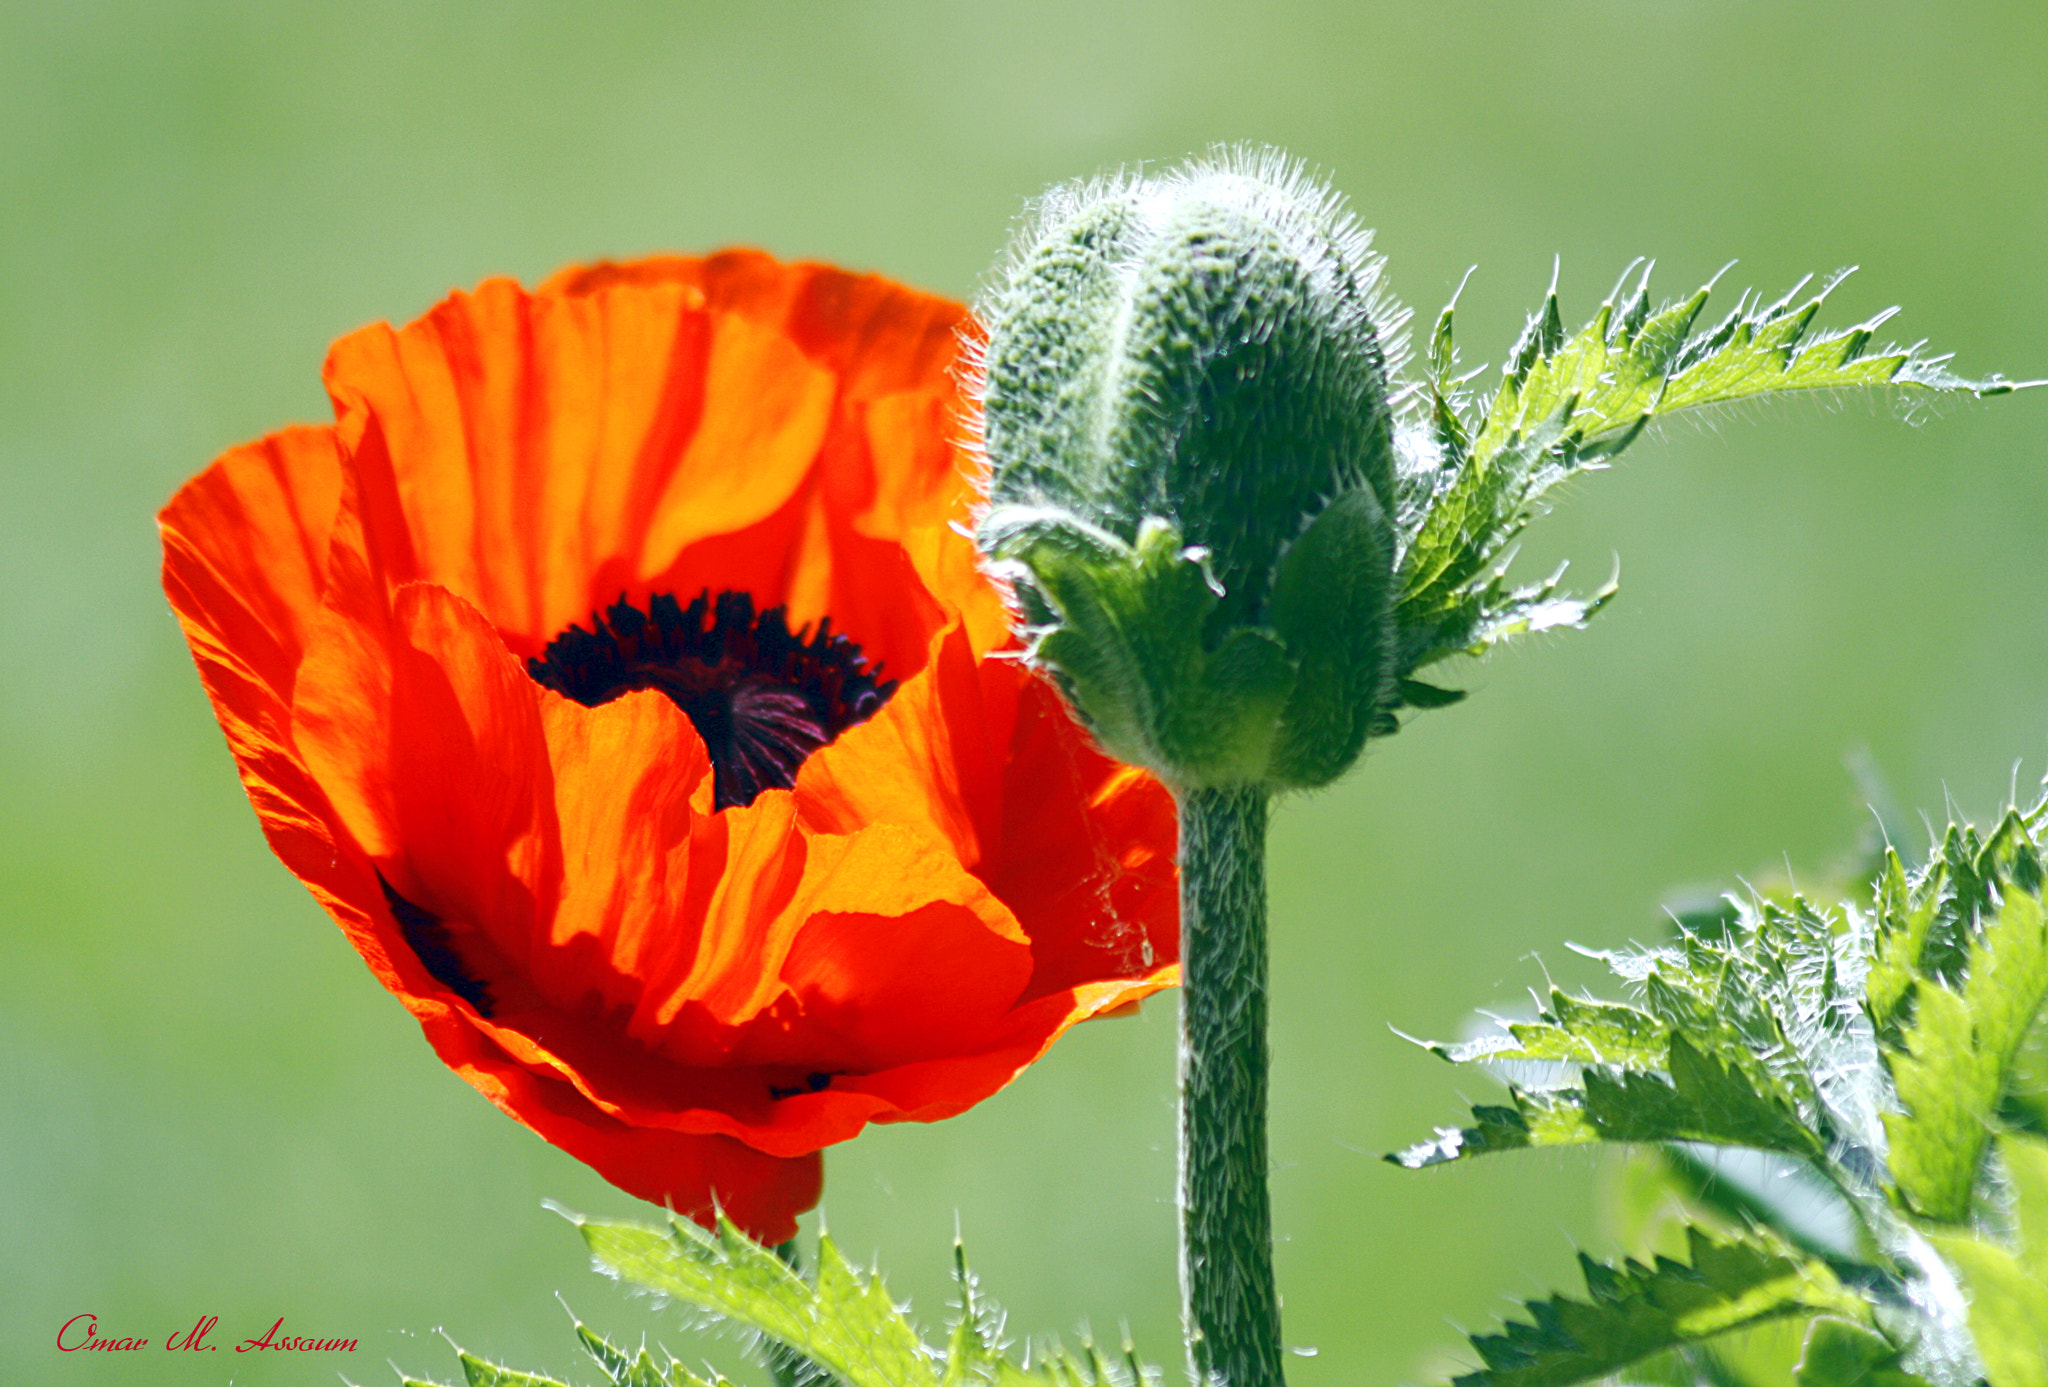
(615, 672)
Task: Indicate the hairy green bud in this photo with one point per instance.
(1191, 468)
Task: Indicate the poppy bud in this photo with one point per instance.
(1191, 468)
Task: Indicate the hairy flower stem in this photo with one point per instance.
(1230, 1308)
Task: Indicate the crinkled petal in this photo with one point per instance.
(690, 1173)
(935, 754)
(1086, 854)
(245, 550)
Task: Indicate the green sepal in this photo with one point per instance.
(1331, 610)
(1413, 693)
(1132, 646)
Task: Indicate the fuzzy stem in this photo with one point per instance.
(1230, 1308)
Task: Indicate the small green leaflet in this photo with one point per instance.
(1958, 978)
(1952, 1064)
(1632, 1311)
(1840, 1353)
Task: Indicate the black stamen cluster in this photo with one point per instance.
(762, 697)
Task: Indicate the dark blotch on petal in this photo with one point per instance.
(428, 938)
(762, 697)
(815, 1082)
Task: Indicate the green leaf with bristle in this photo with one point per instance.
(1564, 403)
(477, 1373)
(844, 1323)
(2025, 1107)
(839, 1319)
(1633, 1311)
(1572, 1030)
(1611, 377)
(1452, 599)
(1706, 1104)
(972, 1355)
(1955, 1058)
(1642, 1080)
(1443, 351)
(1903, 924)
(634, 1370)
(1878, 1053)
(614, 1360)
(2006, 1281)
(974, 1352)
(885, 1347)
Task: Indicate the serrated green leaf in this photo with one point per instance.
(1643, 1079)
(844, 1323)
(1565, 403)
(1633, 1311)
(1449, 577)
(1903, 924)
(1612, 377)
(1572, 1030)
(1879, 1051)
(1953, 1061)
(2026, 1097)
(1702, 1100)
(839, 1320)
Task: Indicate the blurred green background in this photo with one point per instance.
(207, 1106)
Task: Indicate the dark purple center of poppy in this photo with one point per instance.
(762, 697)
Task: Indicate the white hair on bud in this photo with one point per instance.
(1262, 180)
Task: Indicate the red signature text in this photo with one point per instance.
(300, 1343)
(83, 1332)
(195, 1337)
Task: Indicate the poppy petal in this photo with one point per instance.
(567, 447)
(689, 1173)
